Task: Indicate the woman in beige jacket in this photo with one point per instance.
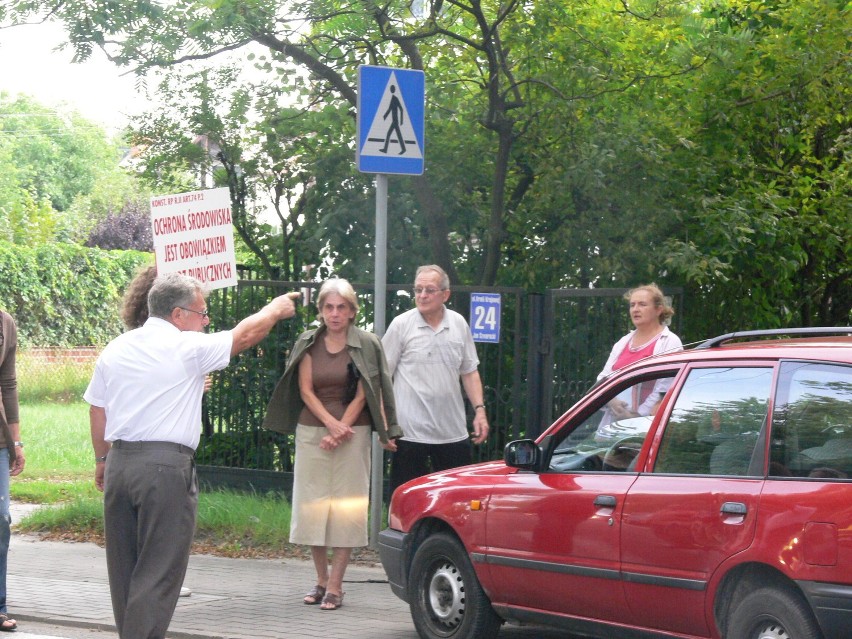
(335, 391)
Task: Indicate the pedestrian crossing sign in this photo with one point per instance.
(391, 106)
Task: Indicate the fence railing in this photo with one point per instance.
(550, 350)
(235, 405)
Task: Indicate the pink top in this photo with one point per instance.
(628, 355)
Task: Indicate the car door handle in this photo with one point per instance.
(734, 508)
(605, 501)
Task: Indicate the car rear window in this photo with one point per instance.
(812, 426)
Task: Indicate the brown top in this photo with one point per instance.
(8, 379)
(330, 379)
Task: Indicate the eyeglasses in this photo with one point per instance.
(204, 313)
(427, 291)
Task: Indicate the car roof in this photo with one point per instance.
(836, 348)
(831, 345)
(779, 333)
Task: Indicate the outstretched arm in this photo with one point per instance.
(255, 327)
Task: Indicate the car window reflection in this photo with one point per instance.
(812, 426)
(716, 423)
(611, 437)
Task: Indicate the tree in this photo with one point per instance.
(59, 173)
(771, 238)
(492, 81)
(207, 135)
(129, 229)
(574, 144)
(55, 153)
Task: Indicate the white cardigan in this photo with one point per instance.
(667, 342)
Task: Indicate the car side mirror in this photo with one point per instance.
(523, 453)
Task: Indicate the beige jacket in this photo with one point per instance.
(366, 352)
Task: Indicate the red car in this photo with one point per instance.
(727, 512)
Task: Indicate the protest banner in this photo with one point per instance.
(193, 234)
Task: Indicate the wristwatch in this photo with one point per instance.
(18, 444)
(479, 406)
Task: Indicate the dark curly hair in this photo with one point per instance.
(134, 306)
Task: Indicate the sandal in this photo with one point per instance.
(315, 596)
(332, 601)
(4, 619)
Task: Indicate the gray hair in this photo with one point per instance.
(445, 279)
(171, 291)
(341, 287)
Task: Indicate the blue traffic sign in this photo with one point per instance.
(485, 317)
(391, 107)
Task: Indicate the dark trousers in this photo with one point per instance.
(150, 502)
(413, 459)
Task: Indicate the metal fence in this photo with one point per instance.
(235, 405)
(551, 349)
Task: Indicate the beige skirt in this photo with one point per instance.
(330, 489)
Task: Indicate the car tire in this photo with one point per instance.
(772, 613)
(444, 594)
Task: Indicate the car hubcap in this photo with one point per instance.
(446, 595)
(772, 631)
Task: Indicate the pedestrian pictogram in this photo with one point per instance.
(390, 120)
(397, 117)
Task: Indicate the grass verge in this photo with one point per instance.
(59, 474)
(43, 380)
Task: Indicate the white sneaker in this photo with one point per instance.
(185, 592)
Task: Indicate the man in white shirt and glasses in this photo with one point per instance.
(145, 416)
(428, 349)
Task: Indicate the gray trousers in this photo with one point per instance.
(150, 503)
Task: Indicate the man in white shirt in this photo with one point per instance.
(428, 349)
(145, 416)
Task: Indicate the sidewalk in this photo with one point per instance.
(66, 584)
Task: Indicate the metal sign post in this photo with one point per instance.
(379, 297)
(390, 139)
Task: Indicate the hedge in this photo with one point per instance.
(65, 295)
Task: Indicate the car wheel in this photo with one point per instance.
(445, 597)
(772, 613)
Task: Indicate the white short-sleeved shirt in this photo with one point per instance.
(150, 381)
(426, 364)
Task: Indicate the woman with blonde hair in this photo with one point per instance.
(650, 313)
(335, 390)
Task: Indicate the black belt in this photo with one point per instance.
(131, 446)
